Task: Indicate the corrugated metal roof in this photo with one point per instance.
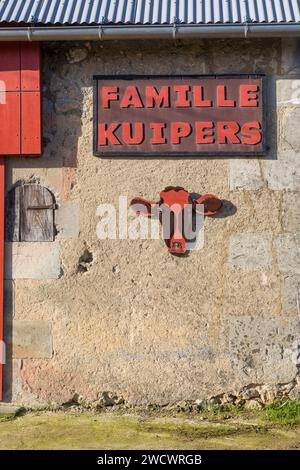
(71, 12)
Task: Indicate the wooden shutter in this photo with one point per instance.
(30, 214)
(20, 98)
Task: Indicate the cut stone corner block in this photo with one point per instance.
(32, 260)
(245, 175)
(250, 252)
(67, 218)
(291, 293)
(283, 173)
(32, 339)
(288, 254)
(262, 347)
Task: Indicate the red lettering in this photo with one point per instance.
(180, 130)
(182, 100)
(204, 132)
(130, 137)
(199, 100)
(251, 133)
(248, 95)
(132, 98)
(159, 98)
(158, 133)
(109, 94)
(106, 134)
(227, 132)
(222, 100)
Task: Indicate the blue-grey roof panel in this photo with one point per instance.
(76, 12)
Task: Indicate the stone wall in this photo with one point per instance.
(85, 316)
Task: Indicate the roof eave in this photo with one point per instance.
(128, 32)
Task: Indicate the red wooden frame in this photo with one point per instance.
(2, 351)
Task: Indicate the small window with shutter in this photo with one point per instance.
(30, 214)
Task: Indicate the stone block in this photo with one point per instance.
(48, 173)
(40, 260)
(67, 219)
(290, 56)
(245, 175)
(288, 91)
(260, 347)
(283, 173)
(253, 405)
(288, 254)
(250, 252)
(65, 105)
(289, 123)
(77, 54)
(32, 339)
(291, 212)
(291, 293)
(7, 409)
(295, 393)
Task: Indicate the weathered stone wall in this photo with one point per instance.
(85, 316)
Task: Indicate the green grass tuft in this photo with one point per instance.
(284, 412)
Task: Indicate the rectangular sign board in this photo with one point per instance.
(179, 115)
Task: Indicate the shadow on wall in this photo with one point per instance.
(8, 334)
(270, 101)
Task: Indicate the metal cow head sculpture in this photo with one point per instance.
(175, 199)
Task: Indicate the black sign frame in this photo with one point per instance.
(216, 154)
